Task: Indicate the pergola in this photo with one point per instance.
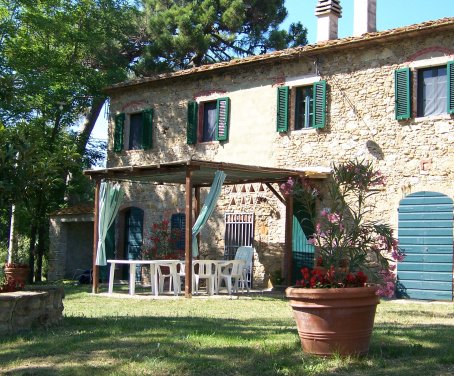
(194, 174)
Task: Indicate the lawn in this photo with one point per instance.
(247, 336)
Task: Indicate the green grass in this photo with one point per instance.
(107, 336)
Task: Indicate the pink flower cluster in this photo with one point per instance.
(388, 287)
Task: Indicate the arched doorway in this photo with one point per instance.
(426, 237)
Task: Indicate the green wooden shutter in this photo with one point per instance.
(222, 119)
(451, 87)
(282, 109)
(402, 92)
(147, 129)
(118, 132)
(319, 100)
(192, 123)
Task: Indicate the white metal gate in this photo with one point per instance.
(239, 231)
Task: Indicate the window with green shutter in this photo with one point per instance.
(402, 92)
(147, 129)
(319, 95)
(192, 123)
(451, 87)
(208, 121)
(118, 132)
(222, 119)
(282, 109)
(309, 105)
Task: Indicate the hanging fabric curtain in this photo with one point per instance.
(207, 209)
(110, 197)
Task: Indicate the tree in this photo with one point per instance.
(60, 55)
(56, 56)
(189, 33)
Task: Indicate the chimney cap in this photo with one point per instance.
(328, 6)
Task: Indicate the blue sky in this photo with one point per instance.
(390, 14)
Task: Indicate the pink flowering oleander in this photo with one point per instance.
(344, 235)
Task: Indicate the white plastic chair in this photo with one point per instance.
(246, 254)
(231, 273)
(168, 270)
(202, 269)
(164, 272)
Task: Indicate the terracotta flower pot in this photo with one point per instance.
(18, 274)
(334, 320)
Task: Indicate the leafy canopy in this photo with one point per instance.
(188, 33)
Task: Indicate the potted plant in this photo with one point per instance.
(334, 303)
(16, 275)
(161, 244)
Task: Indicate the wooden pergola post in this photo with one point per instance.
(288, 258)
(95, 278)
(197, 208)
(188, 235)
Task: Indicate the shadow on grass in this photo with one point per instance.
(184, 345)
(187, 342)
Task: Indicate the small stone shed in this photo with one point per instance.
(71, 241)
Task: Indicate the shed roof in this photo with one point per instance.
(298, 52)
(203, 173)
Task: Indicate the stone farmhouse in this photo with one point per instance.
(382, 96)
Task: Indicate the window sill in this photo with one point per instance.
(432, 117)
(304, 130)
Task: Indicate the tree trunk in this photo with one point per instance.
(31, 252)
(40, 251)
(89, 123)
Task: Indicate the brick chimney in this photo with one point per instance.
(328, 13)
(364, 17)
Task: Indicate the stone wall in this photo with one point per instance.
(414, 155)
(24, 310)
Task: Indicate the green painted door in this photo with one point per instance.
(426, 237)
(303, 228)
(133, 236)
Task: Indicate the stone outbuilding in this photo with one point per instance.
(71, 242)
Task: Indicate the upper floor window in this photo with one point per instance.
(208, 121)
(135, 131)
(304, 107)
(434, 93)
(309, 105)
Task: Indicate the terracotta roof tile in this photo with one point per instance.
(77, 209)
(293, 52)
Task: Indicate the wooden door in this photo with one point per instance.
(426, 237)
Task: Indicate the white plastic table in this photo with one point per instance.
(153, 273)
